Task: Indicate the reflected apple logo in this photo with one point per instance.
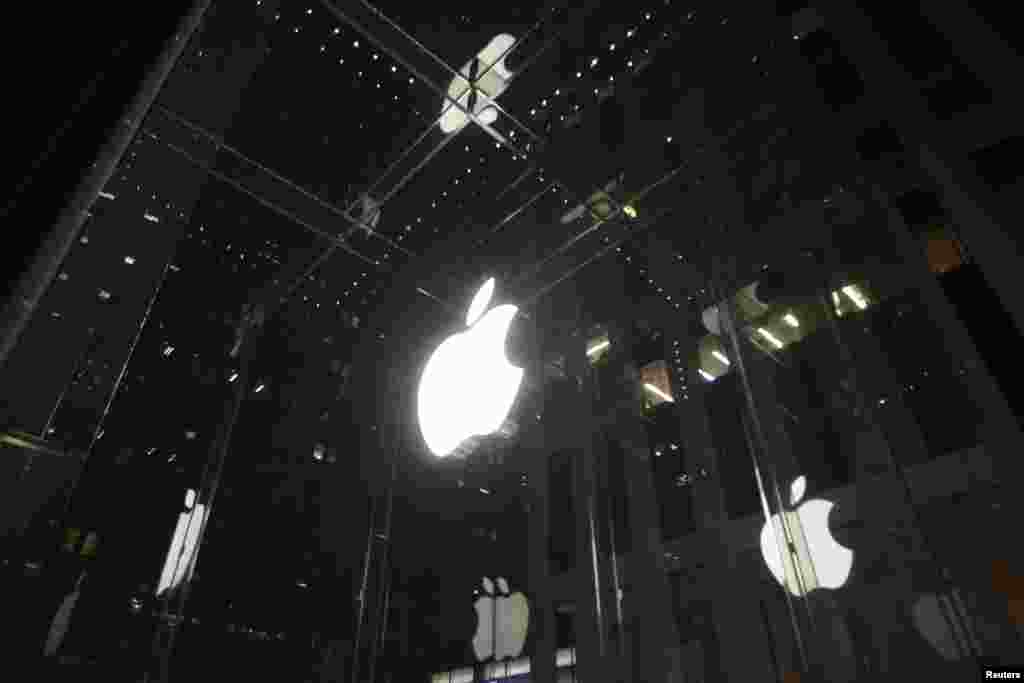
(482, 80)
(805, 556)
(502, 621)
(468, 386)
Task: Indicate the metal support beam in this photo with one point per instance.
(54, 247)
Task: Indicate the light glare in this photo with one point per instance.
(658, 392)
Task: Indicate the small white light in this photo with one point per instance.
(721, 356)
(130, 260)
(593, 62)
(707, 377)
(259, 387)
(151, 218)
(791, 320)
(190, 498)
(106, 195)
(598, 347)
(854, 294)
(485, 492)
(657, 392)
(233, 377)
(770, 337)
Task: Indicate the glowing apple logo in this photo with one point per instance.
(483, 79)
(502, 622)
(468, 386)
(810, 557)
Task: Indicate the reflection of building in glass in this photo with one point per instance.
(730, 278)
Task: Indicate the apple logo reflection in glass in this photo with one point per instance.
(480, 82)
(502, 622)
(805, 556)
(468, 386)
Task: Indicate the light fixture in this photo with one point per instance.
(855, 295)
(657, 392)
(259, 387)
(707, 376)
(791, 320)
(233, 377)
(721, 356)
(600, 346)
(770, 337)
(629, 210)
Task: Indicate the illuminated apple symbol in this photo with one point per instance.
(804, 556)
(502, 622)
(482, 80)
(468, 386)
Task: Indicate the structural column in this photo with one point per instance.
(535, 449)
(647, 603)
